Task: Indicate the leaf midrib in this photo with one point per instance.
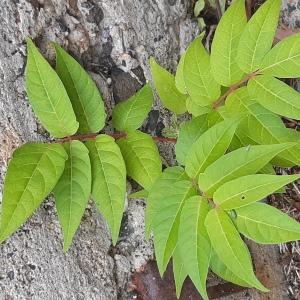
(183, 199)
(246, 191)
(234, 170)
(207, 156)
(76, 90)
(255, 116)
(228, 243)
(259, 34)
(294, 107)
(106, 183)
(265, 224)
(279, 62)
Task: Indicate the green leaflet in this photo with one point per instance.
(248, 189)
(263, 127)
(210, 146)
(157, 194)
(73, 189)
(129, 115)
(237, 102)
(179, 76)
(218, 267)
(268, 169)
(257, 37)
(138, 195)
(166, 222)
(275, 95)
(83, 92)
(200, 84)
(142, 159)
(244, 161)
(284, 59)
(193, 242)
(108, 180)
(291, 157)
(179, 271)
(266, 224)
(48, 96)
(190, 131)
(31, 175)
(196, 110)
(224, 46)
(230, 248)
(164, 83)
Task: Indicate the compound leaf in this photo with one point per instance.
(31, 175)
(165, 86)
(73, 189)
(166, 221)
(257, 37)
(224, 46)
(275, 95)
(129, 115)
(193, 242)
(219, 268)
(200, 84)
(266, 224)
(156, 194)
(284, 59)
(230, 248)
(142, 159)
(83, 92)
(108, 180)
(248, 189)
(48, 96)
(244, 161)
(190, 131)
(210, 146)
(179, 271)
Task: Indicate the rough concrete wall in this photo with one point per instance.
(113, 39)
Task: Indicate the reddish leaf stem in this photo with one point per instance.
(118, 135)
(232, 88)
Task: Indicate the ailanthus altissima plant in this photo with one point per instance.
(199, 210)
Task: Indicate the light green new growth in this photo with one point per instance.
(198, 208)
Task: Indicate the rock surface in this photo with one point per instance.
(113, 39)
